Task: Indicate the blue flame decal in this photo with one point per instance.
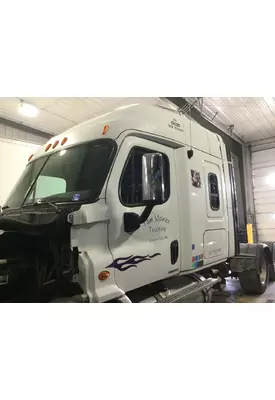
(124, 263)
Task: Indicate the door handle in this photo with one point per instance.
(174, 251)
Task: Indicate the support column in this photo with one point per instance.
(249, 195)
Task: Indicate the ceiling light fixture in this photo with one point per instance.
(28, 110)
(127, 106)
(270, 180)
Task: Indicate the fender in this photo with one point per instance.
(249, 257)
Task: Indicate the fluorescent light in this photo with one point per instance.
(270, 179)
(128, 106)
(28, 110)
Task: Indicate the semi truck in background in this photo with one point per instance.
(137, 205)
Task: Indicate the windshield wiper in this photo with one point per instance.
(4, 208)
(37, 202)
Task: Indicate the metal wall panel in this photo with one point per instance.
(9, 132)
(263, 167)
(13, 159)
(265, 144)
(16, 146)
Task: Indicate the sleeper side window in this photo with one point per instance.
(214, 195)
(131, 179)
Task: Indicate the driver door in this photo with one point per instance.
(151, 253)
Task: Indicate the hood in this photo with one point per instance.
(35, 222)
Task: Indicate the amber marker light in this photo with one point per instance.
(103, 275)
(55, 144)
(105, 130)
(64, 140)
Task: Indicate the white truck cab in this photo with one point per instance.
(133, 206)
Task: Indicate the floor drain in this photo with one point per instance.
(270, 301)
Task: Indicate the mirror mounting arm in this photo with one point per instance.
(146, 213)
(132, 221)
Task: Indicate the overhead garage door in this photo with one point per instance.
(263, 167)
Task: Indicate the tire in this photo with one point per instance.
(255, 281)
(271, 246)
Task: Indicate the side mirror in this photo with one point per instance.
(153, 184)
(153, 190)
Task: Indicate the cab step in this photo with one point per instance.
(188, 290)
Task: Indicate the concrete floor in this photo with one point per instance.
(233, 293)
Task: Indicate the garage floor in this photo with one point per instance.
(233, 294)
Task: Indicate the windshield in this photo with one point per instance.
(74, 174)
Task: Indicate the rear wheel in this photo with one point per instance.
(256, 280)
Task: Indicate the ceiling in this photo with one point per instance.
(250, 118)
(57, 114)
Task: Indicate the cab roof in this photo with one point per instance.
(153, 120)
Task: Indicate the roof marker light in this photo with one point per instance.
(105, 130)
(30, 157)
(55, 144)
(48, 147)
(64, 140)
